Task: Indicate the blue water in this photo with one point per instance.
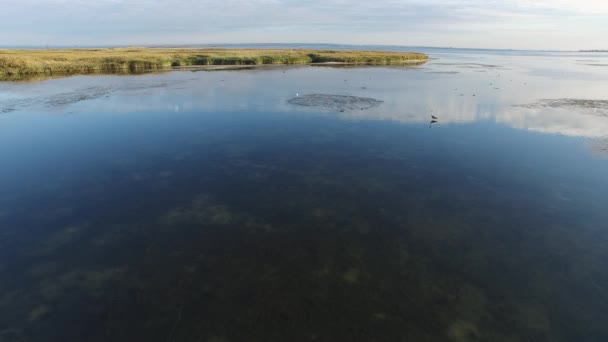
(204, 206)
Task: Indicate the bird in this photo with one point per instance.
(433, 117)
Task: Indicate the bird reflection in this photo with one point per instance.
(433, 120)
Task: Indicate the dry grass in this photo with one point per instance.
(19, 64)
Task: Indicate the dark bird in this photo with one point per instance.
(433, 117)
(432, 122)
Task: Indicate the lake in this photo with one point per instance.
(310, 203)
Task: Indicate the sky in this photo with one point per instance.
(502, 24)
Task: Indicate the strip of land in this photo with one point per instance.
(24, 64)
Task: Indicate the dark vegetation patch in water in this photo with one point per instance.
(78, 95)
(472, 65)
(596, 107)
(335, 102)
(197, 68)
(324, 236)
(83, 94)
(600, 147)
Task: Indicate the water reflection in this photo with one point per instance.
(206, 206)
(508, 93)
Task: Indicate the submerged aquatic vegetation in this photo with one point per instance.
(25, 64)
(92, 282)
(352, 275)
(462, 331)
(201, 211)
(59, 239)
(273, 227)
(39, 312)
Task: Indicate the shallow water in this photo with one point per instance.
(212, 206)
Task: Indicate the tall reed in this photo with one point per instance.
(15, 64)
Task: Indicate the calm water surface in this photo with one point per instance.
(203, 206)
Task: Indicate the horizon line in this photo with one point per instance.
(65, 46)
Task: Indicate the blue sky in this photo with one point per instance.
(518, 24)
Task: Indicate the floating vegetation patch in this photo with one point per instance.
(594, 107)
(335, 102)
(74, 97)
(78, 95)
(472, 65)
(12, 105)
(195, 68)
(599, 147)
(443, 72)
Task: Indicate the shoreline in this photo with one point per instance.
(27, 64)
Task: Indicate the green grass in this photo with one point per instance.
(24, 64)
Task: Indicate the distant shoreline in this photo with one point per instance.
(28, 64)
(307, 46)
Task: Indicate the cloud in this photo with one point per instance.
(556, 24)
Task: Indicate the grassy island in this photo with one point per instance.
(23, 64)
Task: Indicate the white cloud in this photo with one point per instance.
(555, 24)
